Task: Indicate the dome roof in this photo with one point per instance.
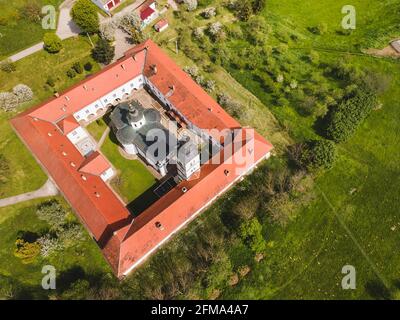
(135, 113)
(152, 115)
(126, 135)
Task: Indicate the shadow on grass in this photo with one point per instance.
(377, 290)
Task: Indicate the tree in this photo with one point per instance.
(8, 101)
(251, 233)
(103, 52)
(88, 66)
(52, 43)
(345, 119)
(77, 66)
(191, 4)
(107, 31)
(319, 154)
(53, 213)
(258, 6)
(23, 93)
(84, 14)
(31, 11)
(244, 10)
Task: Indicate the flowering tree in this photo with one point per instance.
(191, 4)
(8, 101)
(23, 93)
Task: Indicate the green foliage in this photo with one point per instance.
(244, 10)
(320, 29)
(77, 66)
(31, 11)
(26, 251)
(4, 169)
(7, 66)
(251, 232)
(345, 119)
(319, 154)
(71, 73)
(84, 14)
(52, 43)
(103, 52)
(88, 66)
(51, 81)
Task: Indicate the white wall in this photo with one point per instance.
(108, 174)
(77, 135)
(109, 98)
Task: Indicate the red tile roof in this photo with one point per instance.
(68, 124)
(95, 164)
(126, 242)
(147, 12)
(160, 24)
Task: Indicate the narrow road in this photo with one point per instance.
(103, 138)
(48, 190)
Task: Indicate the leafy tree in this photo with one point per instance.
(244, 10)
(103, 52)
(8, 101)
(84, 14)
(23, 93)
(53, 213)
(52, 43)
(251, 233)
(319, 154)
(345, 119)
(191, 4)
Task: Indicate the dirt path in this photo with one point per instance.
(47, 190)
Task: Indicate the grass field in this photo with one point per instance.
(16, 32)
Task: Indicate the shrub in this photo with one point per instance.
(69, 235)
(7, 66)
(345, 119)
(71, 73)
(244, 10)
(52, 212)
(26, 251)
(103, 52)
(84, 14)
(4, 169)
(51, 81)
(8, 101)
(107, 31)
(321, 29)
(88, 66)
(52, 43)
(209, 13)
(77, 66)
(23, 93)
(319, 154)
(48, 245)
(251, 233)
(258, 5)
(31, 11)
(191, 4)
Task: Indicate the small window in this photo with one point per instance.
(105, 100)
(87, 111)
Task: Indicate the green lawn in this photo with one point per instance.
(16, 32)
(133, 177)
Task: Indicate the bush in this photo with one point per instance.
(84, 14)
(7, 66)
(191, 4)
(23, 93)
(107, 31)
(345, 119)
(251, 233)
(209, 13)
(88, 66)
(26, 251)
(103, 52)
(51, 81)
(319, 154)
(71, 73)
(320, 29)
(8, 101)
(52, 43)
(48, 245)
(31, 11)
(53, 213)
(77, 66)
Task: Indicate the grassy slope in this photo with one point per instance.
(305, 259)
(19, 33)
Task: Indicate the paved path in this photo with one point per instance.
(66, 28)
(173, 5)
(48, 189)
(103, 138)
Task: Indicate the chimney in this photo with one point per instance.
(67, 98)
(123, 66)
(154, 68)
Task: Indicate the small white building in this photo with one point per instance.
(107, 5)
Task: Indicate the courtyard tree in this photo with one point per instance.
(103, 52)
(84, 14)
